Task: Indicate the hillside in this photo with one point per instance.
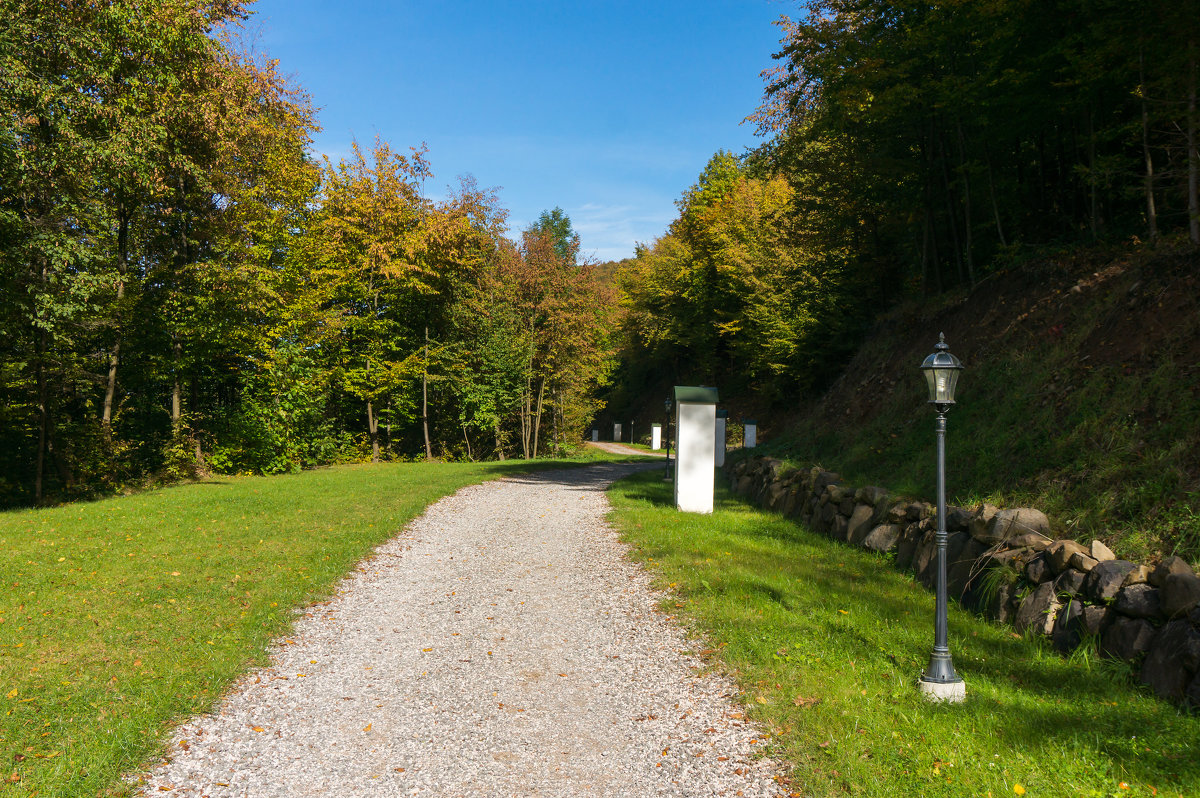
(1081, 395)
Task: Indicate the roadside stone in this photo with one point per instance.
(1018, 523)
(871, 494)
(743, 484)
(1140, 575)
(1127, 638)
(790, 501)
(924, 558)
(1083, 562)
(1138, 601)
(1039, 610)
(860, 525)
(981, 519)
(920, 511)
(963, 575)
(824, 478)
(898, 513)
(1037, 570)
(837, 529)
(882, 538)
(1100, 552)
(846, 506)
(1069, 582)
(828, 513)
(1059, 553)
(836, 493)
(1180, 594)
(1174, 653)
(1095, 619)
(1104, 580)
(958, 519)
(1034, 540)
(906, 547)
(999, 608)
(1171, 565)
(1068, 632)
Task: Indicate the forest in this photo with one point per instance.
(910, 150)
(185, 288)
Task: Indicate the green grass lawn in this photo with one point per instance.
(119, 616)
(827, 642)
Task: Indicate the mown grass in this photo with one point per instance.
(826, 643)
(119, 616)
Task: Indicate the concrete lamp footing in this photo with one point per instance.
(944, 692)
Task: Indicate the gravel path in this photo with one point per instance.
(501, 646)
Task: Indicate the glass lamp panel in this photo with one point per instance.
(932, 382)
(951, 385)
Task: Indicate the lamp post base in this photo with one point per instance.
(944, 692)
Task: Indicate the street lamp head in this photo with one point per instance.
(941, 372)
(667, 404)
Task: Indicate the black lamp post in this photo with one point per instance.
(667, 404)
(940, 682)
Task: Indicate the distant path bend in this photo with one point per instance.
(503, 645)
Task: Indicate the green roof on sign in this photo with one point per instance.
(696, 394)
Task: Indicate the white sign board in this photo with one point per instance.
(617, 432)
(695, 453)
(595, 435)
(656, 436)
(751, 435)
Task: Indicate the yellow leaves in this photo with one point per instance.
(11, 693)
(367, 728)
(259, 729)
(1018, 789)
(760, 699)
(843, 612)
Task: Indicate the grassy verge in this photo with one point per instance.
(827, 641)
(120, 615)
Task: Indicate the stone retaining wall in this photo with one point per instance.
(1005, 565)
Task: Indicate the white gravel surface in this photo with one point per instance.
(502, 645)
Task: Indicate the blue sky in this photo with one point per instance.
(608, 110)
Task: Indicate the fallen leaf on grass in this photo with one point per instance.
(760, 699)
(11, 693)
(802, 701)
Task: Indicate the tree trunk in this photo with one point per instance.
(176, 387)
(114, 356)
(537, 418)
(987, 157)
(467, 440)
(966, 180)
(43, 419)
(499, 441)
(373, 431)
(1148, 178)
(1193, 179)
(950, 212)
(425, 398)
(1093, 181)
